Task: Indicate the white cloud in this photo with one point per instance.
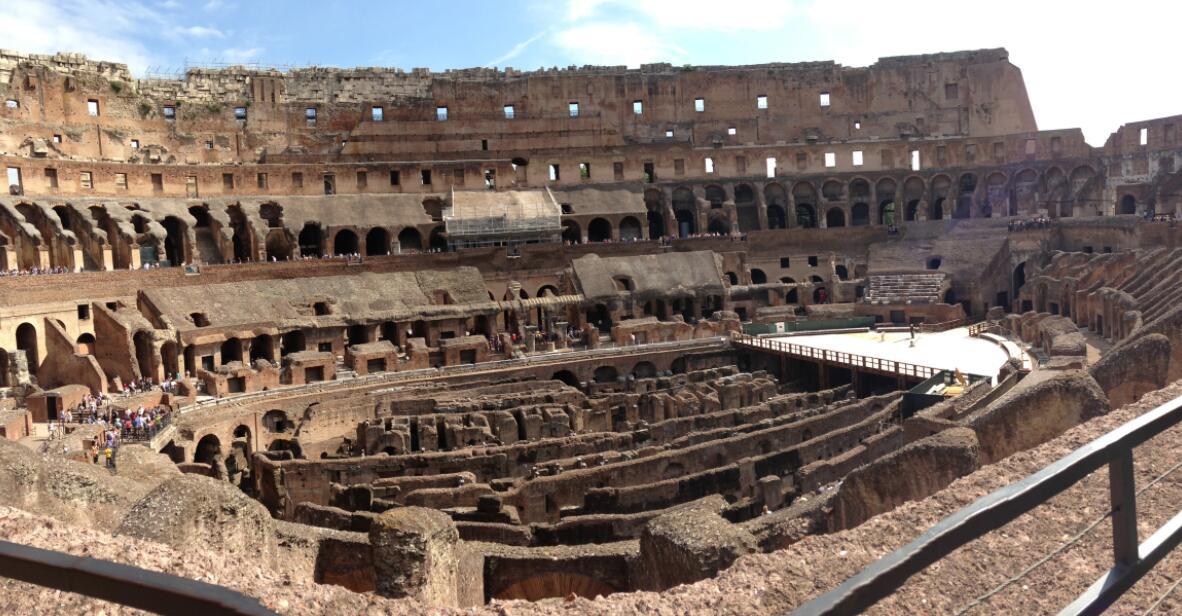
(614, 44)
(515, 50)
(101, 29)
(200, 32)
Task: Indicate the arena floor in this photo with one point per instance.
(950, 350)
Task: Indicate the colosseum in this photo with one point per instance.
(784, 338)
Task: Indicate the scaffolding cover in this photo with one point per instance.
(485, 214)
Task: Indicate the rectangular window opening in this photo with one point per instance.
(57, 138)
(240, 113)
(51, 177)
(915, 160)
(857, 158)
(785, 262)
(228, 181)
(376, 113)
(120, 180)
(362, 180)
(761, 102)
(951, 91)
(1144, 136)
(584, 171)
(573, 109)
(484, 144)
(824, 99)
(699, 105)
(555, 173)
(650, 175)
(92, 107)
(157, 182)
(135, 143)
(209, 145)
(618, 171)
(709, 165)
(830, 159)
(425, 176)
(262, 181)
(509, 112)
(732, 131)
(637, 107)
(310, 115)
(857, 125)
(297, 180)
(85, 180)
(678, 166)
(395, 177)
(169, 112)
(441, 114)
(771, 166)
(669, 133)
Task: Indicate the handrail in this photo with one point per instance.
(990, 512)
(839, 357)
(143, 589)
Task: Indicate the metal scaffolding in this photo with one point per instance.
(502, 218)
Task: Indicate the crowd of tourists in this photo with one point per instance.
(1038, 222)
(36, 271)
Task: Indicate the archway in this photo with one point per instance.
(630, 229)
(820, 296)
(842, 272)
(571, 233)
(277, 422)
(685, 207)
(566, 376)
(835, 217)
(279, 245)
(410, 239)
(937, 210)
(174, 240)
(599, 230)
(84, 345)
(732, 278)
(437, 241)
(357, 334)
(716, 196)
(719, 225)
(231, 350)
(806, 216)
(606, 374)
(292, 342)
(745, 209)
(654, 204)
(758, 276)
(377, 242)
(644, 370)
(208, 449)
(262, 347)
(345, 242)
(169, 356)
(860, 215)
(310, 240)
(1128, 205)
(775, 217)
(145, 353)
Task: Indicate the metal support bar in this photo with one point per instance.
(123, 584)
(1123, 491)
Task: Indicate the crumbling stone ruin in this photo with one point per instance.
(441, 340)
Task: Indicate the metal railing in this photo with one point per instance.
(1131, 560)
(123, 584)
(853, 360)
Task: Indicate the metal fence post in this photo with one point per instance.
(1123, 494)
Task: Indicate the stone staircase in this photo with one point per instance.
(905, 288)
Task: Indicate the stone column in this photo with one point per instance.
(415, 554)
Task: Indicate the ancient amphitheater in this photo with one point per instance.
(702, 340)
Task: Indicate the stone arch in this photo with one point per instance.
(262, 347)
(678, 365)
(293, 341)
(835, 217)
(570, 232)
(719, 225)
(860, 215)
(654, 204)
(145, 353)
(820, 295)
(966, 188)
(174, 240)
(599, 230)
(886, 188)
(566, 376)
(685, 210)
(201, 217)
(644, 370)
(231, 350)
(170, 358)
(208, 449)
(804, 196)
(746, 209)
(1128, 205)
(716, 196)
(345, 242)
(310, 240)
(377, 242)
(859, 188)
(410, 239)
(277, 422)
(842, 272)
(437, 240)
(777, 205)
(758, 276)
(732, 278)
(84, 344)
(995, 193)
(606, 374)
(279, 245)
(831, 190)
(630, 229)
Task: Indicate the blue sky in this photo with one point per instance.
(1086, 66)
